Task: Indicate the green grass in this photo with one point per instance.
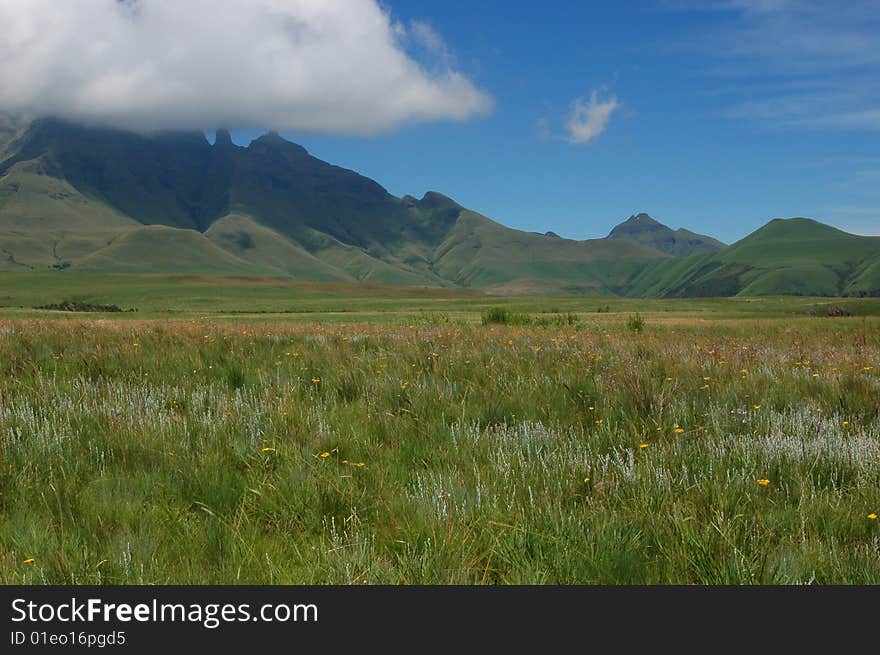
(441, 450)
(239, 297)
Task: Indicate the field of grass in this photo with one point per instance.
(706, 447)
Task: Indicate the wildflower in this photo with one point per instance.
(867, 368)
(845, 423)
(268, 450)
(404, 385)
(644, 445)
(360, 465)
(599, 421)
(345, 461)
(756, 407)
(815, 375)
(679, 430)
(586, 480)
(764, 483)
(706, 379)
(29, 560)
(316, 380)
(325, 455)
(872, 516)
(669, 379)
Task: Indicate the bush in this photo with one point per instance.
(79, 306)
(503, 316)
(635, 323)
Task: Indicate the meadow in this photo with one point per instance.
(426, 438)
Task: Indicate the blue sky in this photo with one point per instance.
(718, 115)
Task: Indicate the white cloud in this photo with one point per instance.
(307, 65)
(588, 120)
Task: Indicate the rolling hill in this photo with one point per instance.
(797, 256)
(90, 199)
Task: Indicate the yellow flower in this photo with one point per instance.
(29, 560)
(325, 455)
(872, 516)
(868, 368)
(404, 385)
(360, 465)
(669, 379)
(345, 461)
(268, 450)
(756, 407)
(706, 379)
(316, 380)
(845, 423)
(763, 483)
(679, 430)
(586, 480)
(644, 445)
(599, 421)
(815, 375)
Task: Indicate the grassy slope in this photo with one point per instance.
(45, 221)
(248, 240)
(795, 256)
(157, 248)
(481, 253)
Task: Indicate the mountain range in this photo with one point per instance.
(93, 199)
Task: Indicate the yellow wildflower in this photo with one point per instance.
(764, 483)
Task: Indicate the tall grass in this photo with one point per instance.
(141, 452)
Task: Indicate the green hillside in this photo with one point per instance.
(156, 248)
(481, 253)
(797, 256)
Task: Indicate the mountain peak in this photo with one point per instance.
(641, 219)
(223, 138)
(434, 200)
(644, 229)
(274, 141)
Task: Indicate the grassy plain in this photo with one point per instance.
(240, 431)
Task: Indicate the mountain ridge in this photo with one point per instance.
(74, 197)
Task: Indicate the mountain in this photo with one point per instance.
(90, 199)
(796, 256)
(80, 198)
(681, 243)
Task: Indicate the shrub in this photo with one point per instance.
(635, 323)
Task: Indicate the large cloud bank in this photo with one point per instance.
(340, 66)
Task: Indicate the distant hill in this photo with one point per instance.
(797, 256)
(681, 243)
(78, 198)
